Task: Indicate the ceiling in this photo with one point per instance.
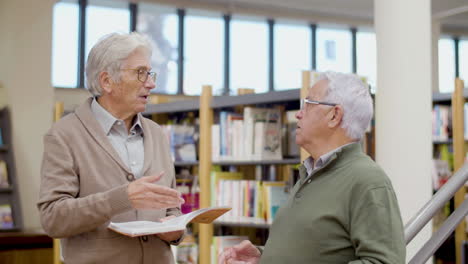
(452, 13)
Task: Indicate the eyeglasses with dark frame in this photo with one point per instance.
(307, 101)
(143, 74)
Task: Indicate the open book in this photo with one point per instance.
(141, 228)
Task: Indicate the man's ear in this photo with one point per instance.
(336, 116)
(105, 81)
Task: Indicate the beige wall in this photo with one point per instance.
(25, 52)
(71, 98)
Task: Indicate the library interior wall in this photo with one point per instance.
(25, 85)
(25, 52)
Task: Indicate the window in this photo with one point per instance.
(65, 44)
(204, 52)
(249, 55)
(366, 54)
(334, 50)
(446, 65)
(463, 61)
(160, 24)
(292, 45)
(104, 17)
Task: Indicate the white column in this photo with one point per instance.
(25, 74)
(435, 54)
(403, 103)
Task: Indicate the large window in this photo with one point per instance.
(446, 65)
(204, 52)
(366, 54)
(249, 55)
(463, 60)
(65, 44)
(292, 44)
(334, 50)
(104, 17)
(160, 24)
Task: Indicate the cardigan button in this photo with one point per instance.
(144, 238)
(130, 177)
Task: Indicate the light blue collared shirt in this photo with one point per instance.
(129, 146)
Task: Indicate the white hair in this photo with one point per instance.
(108, 54)
(353, 95)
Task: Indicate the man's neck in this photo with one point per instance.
(114, 111)
(328, 145)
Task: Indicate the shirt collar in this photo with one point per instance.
(107, 120)
(312, 165)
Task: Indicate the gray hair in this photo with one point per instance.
(108, 54)
(353, 95)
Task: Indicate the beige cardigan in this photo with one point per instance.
(84, 186)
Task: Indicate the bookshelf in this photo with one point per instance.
(9, 195)
(205, 105)
(456, 140)
(458, 101)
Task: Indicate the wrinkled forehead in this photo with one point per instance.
(318, 90)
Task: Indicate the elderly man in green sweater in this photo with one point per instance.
(343, 209)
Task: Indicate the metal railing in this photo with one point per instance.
(415, 225)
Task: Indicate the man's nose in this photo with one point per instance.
(299, 114)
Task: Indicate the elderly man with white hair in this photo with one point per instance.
(343, 209)
(106, 162)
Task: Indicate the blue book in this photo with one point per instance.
(1, 138)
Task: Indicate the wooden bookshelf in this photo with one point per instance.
(458, 101)
(259, 162)
(9, 195)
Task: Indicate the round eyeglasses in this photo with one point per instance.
(143, 74)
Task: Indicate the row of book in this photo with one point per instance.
(6, 217)
(256, 134)
(251, 200)
(442, 122)
(4, 183)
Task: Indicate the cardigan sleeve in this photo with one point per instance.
(376, 228)
(62, 212)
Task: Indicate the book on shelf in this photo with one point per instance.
(263, 133)
(6, 218)
(182, 142)
(291, 149)
(441, 122)
(254, 135)
(216, 177)
(3, 175)
(1, 137)
(275, 195)
(141, 228)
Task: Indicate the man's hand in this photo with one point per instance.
(170, 236)
(144, 194)
(243, 253)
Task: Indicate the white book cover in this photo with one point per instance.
(141, 228)
(215, 143)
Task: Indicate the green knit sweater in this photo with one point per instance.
(345, 212)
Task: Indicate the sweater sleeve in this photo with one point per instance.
(376, 228)
(62, 213)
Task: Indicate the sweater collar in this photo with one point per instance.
(343, 153)
(86, 116)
